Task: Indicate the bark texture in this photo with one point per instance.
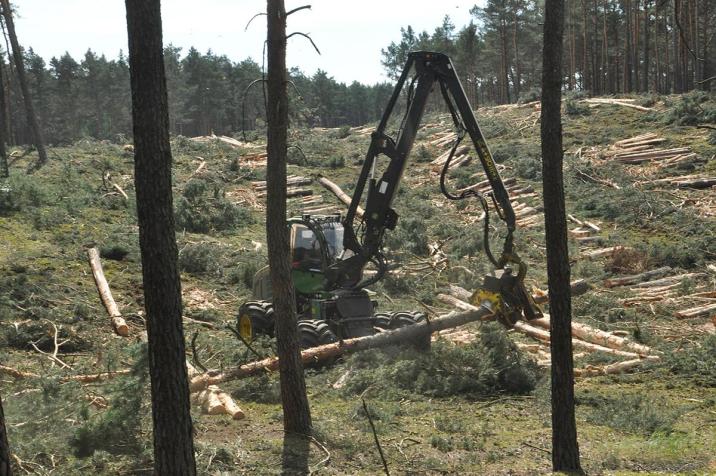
(565, 450)
(296, 412)
(4, 171)
(173, 445)
(22, 78)
(5, 469)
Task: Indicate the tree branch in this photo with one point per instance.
(252, 19)
(304, 7)
(305, 36)
(375, 436)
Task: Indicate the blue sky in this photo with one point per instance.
(350, 34)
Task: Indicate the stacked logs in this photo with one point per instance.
(584, 338)
(294, 185)
(585, 231)
(641, 148)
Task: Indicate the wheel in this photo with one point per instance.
(312, 333)
(404, 319)
(381, 320)
(255, 318)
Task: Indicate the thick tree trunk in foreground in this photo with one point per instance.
(5, 469)
(296, 412)
(565, 450)
(173, 445)
(20, 68)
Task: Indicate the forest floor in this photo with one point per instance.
(441, 412)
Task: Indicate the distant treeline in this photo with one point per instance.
(611, 46)
(91, 97)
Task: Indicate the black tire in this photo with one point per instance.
(312, 333)
(255, 318)
(404, 318)
(381, 320)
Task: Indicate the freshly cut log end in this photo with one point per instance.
(120, 326)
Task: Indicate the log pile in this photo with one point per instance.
(697, 181)
(650, 287)
(584, 337)
(527, 216)
(294, 187)
(254, 160)
(585, 230)
(641, 148)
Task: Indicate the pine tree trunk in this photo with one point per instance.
(518, 73)
(586, 76)
(657, 59)
(708, 37)
(173, 445)
(296, 412)
(5, 469)
(20, 68)
(4, 171)
(645, 74)
(505, 81)
(606, 70)
(635, 49)
(565, 450)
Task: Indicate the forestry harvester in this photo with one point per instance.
(330, 253)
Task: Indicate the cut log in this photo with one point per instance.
(668, 281)
(639, 138)
(615, 368)
(328, 351)
(580, 232)
(87, 378)
(589, 178)
(698, 183)
(118, 322)
(696, 311)
(199, 168)
(602, 252)
(544, 336)
(338, 192)
(579, 331)
(485, 185)
(460, 292)
(637, 278)
(213, 400)
(121, 192)
(291, 192)
(617, 102)
(290, 181)
(18, 374)
(578, 287)
(599, 337)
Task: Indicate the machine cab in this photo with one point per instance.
(308, 250)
